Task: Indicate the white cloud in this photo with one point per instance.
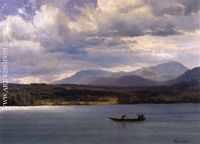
(51, 24)
(118, 6)
(15, 27)
(151, 44)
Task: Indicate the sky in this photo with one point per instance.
(48, 40)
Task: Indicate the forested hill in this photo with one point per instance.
(42, 94)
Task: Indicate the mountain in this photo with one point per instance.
(85, 77)
(149, 76)
(159, 73)
(162, 72)
(191, 77)
(124, 81)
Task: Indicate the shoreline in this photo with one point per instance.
(179, 103)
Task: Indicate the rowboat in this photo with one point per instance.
(122, 119)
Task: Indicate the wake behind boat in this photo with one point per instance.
(123, 118)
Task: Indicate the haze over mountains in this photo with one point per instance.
(149, 76)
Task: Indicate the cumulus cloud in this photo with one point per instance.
(56, 39)
(16, 28)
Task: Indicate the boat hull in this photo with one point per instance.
(126, 120)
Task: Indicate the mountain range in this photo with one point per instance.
(162, 74)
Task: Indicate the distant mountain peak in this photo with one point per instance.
(85, 76)
(173, 63)
(90, 71)
(189, 76)
(158, 73)
(162, 72)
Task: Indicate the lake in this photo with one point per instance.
(165, 124)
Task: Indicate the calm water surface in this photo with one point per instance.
(166, 124)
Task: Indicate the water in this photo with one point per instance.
(166, 124)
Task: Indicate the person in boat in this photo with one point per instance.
(141, 117)
(123, 116)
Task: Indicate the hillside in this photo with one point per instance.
(124, 81)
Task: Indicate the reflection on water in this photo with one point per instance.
(166, 124)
